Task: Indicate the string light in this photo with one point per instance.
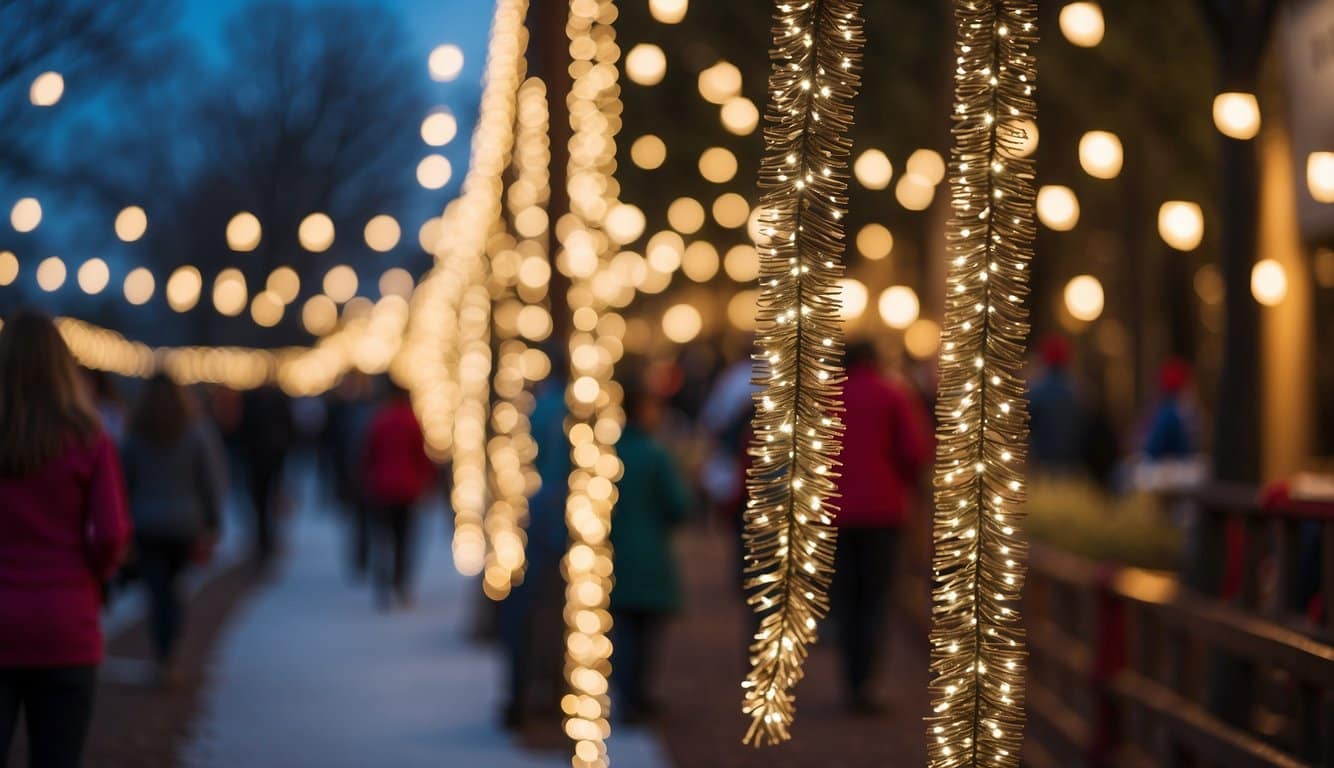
(816, 57)
(1237, 115)
(1320, 176)
(9, 267)
(183, 287)
(139, 286)
(1181, 224)
(445, 62)
(588, 257)
(26, 214)
(1269, 283)
(1084, 298)
(46, 89)
(51, 274)
(898, 306)
(243, 232)
(977, 638)
(1100, 154)
(93, 276)
(382, 233)
(131, 223)
(875, 241)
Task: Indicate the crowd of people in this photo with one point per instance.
(97, 494)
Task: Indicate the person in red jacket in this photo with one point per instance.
(396, 474)
(886, 447)
(64, 528)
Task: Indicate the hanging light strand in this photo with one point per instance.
(816, 57)
(977, 640)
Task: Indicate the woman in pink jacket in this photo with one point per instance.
(63, 529)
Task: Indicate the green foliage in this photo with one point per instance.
(1078, 517)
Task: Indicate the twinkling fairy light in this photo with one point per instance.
(816, 55)
(977, 640)
(595, 419)
(520, 315)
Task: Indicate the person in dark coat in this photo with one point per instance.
(887, 446)
(176, 473)
(651, 502)
(265, 436)
(1056, 415)
(64, 529)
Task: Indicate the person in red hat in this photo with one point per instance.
(1172, 430)
(1056, 415)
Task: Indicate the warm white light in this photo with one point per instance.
(397, 281)
(51, 274)
(26, 214)
(624, 223)
(720, 82)
(740, 116)
(928, 164)
(922, 338)
(428, 235)
(852, 298)
(700, 262)
(664, 252)
(686, 215)
(875, 241)
(139, 286)
(1181, 224)
(1320, 176)
(648, 152)
(340, 283)
(9, 268)
(668, 11)
(899, 306)
(1084, 298)
(434, 171)
(1237, 115)
(873, 169)
(742, 263)
(914, 192)
(1082, 24)
(319, 315)
(646, 64)
(682, 323)
(1100, 154)
(741, 309)
(183, 288)
(243, 232)
(1023, 137)
(382, 233)
(1058, 207)
(284, 283)
(731, 210)
(439, 128)
(266, 310)
(131, 223)
(1269, 283)
(46, 89)
(93, 276)
(445, 62)
(316, 232)
(229, 292)
(717, 165)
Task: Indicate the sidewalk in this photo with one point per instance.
(310, 673)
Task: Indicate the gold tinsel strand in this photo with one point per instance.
(977, 640)
(594, 399)
(519, 291)
(816, 56)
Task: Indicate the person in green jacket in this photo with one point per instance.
(652, 500)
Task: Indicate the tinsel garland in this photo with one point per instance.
(977, 640)
(815, 58)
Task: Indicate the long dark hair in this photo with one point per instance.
(43, 402)
(163, 411)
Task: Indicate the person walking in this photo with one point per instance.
(265, 435)
(396, 474)
(1056, 416)
(176, 475)
(886, 448)
(651, 501)
(63, 530)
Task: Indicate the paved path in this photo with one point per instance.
(311, 674)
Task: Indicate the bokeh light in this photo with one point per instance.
(624, 223)
(243, 232)
(340, 283)
(928, 164)
(439, 128)
(646, 64)
(1023, 137)
(1320, 176)
(668, 11)
(685, 215)
(852, 296)
(139, 286)
(46, 89)
(229, 292)
(397, 281)
(873, 169)
(717, 165)
(316, 232)
(742, 263)
(1058, 208)
(922, 338)
(875, 241)
(9, 268)
(131, 223)
(445, 62)
(648, 152)
(1082, 24)
(720, 82)
(740, 116)
(434, 171)
(183, 288)
(51, 274)
(266, 310)
(26, 214)
(700, 262)
(914, 192)
(682, 323)
(898, 306)
(1269, 283)
(1084, 298)
(319, 315)
(382, 233)
(1181, 224)
(741, 309)
(1100, 154)
(1237, 115)
(284, 283)
(731, 210)
(93, 276)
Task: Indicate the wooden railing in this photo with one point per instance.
(1132, 667)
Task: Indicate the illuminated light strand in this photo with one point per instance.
(977, 639)
(511, 450)
(596, 419)
(816, 56)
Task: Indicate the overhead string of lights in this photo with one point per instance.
(816, 57)
(977, 638)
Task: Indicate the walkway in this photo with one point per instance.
(310, 673)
